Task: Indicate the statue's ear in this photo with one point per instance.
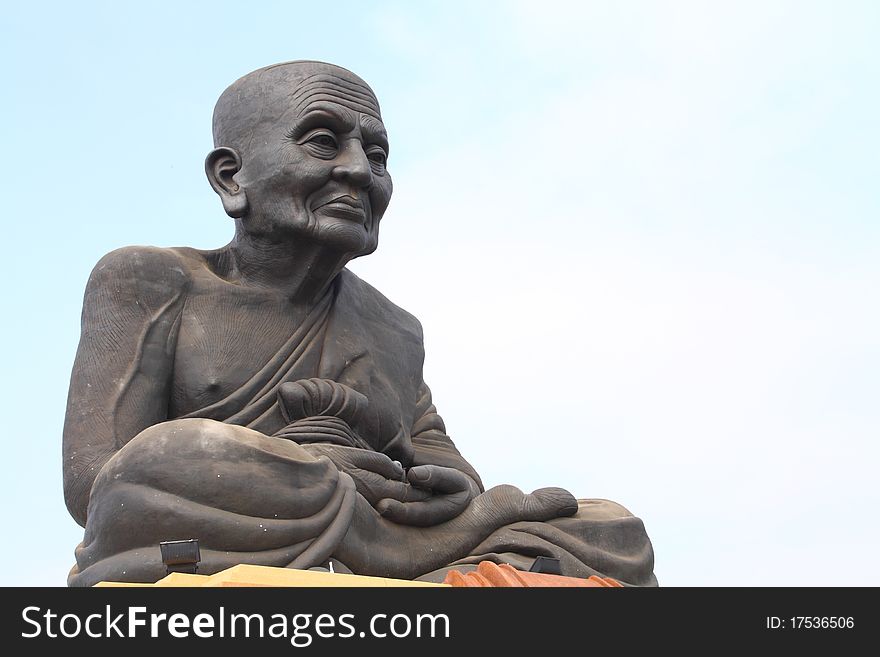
(221, 165)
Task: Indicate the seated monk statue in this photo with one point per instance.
(268, 402)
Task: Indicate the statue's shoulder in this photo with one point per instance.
(143, 268)
(375, 307)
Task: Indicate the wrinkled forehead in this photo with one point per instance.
(323, 88)
(284, 93)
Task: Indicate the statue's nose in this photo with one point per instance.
(352, 164)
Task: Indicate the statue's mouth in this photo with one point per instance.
(344, 207)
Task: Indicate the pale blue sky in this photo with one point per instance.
(643, 239)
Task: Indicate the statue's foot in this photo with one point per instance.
(408, 551)
(503, 505)
(548, 503)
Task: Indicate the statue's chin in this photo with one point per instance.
(343, 235)
(332, 233)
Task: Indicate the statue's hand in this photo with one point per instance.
(450, 490)
(376, 476)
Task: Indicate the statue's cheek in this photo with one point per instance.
(380, 195)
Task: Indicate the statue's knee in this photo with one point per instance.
(193, 440)
(188, 440)
(188, 429)
(601, 509)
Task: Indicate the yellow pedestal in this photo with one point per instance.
(248, 575)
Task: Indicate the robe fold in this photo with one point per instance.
(218, 474)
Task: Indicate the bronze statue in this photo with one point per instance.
(265, 400)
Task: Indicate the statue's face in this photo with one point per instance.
(320, 171)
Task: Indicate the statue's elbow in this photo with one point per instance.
(78, 483)
(76, 499)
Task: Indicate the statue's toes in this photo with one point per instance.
(548, 503)
(505, 504)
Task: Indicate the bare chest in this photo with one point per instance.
(222, 341)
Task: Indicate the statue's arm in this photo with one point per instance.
(121, 377)
(437, 469)
(435, 466)
(431, 444)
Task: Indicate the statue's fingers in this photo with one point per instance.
(374, 487)
(427, 513)
(376, 462)
(439, 478)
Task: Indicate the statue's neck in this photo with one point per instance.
(300, 270)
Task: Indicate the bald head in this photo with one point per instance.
(280, 94)
(301, 152)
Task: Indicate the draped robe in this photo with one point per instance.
(217, 473)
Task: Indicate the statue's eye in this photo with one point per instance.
(321, 143)
(378, 159)
(324, 140)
